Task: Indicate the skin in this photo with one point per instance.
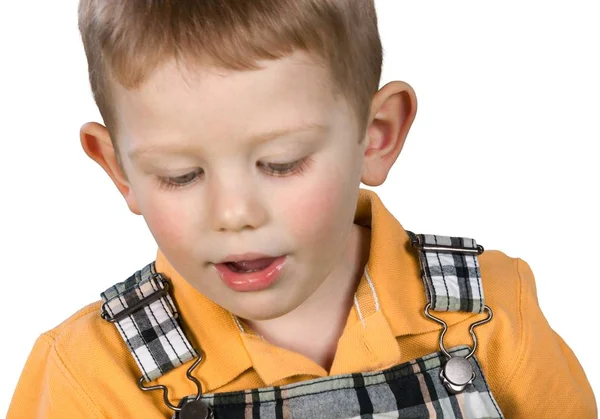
(235, 205)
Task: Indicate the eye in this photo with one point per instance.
(284, 169)
(179, 181)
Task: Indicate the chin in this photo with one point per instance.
(261, 309)
(262, 313)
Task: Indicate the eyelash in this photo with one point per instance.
(273, 169)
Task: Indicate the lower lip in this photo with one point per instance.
(253, 281)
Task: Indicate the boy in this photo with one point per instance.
(237, 168)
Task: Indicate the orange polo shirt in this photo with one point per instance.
(82, 368)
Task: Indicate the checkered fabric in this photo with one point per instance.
(450, 272)
(146, 318)
(410, 390)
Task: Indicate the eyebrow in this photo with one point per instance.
(264, 137)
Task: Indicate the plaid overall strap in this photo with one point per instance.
(450, 272)
(146, 317)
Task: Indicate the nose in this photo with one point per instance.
(235, 205)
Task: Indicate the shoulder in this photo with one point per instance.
(505, 279)
(59, 374)
(82, 330)
(84, 320)
(83, 343)
(510, 292)
(531, 369)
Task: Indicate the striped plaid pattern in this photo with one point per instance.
(410, 390)
(151, 331)
(452, 277)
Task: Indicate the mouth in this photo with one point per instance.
(249, 266)
(251, 275)
(247, 262)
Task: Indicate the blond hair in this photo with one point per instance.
(125, 40)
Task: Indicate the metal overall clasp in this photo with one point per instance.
(457, 373)
(193, 409)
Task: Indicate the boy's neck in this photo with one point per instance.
(314, 328)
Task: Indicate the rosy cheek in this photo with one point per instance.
(166, 222)
(311, 216)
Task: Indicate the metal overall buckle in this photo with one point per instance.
(458, 372)
(157, 295)
(424, 247)
(193, 409)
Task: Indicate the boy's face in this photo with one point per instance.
(198, 129)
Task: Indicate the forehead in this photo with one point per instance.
(183, 105)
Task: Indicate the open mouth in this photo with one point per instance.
(249, 266)
(251, 275)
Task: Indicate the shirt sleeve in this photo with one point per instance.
(547, 379)
(46, 388)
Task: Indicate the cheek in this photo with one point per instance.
(319, 210)
(167, 223)
(318, 214)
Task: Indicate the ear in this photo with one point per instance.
(393, 111)
(97, 144)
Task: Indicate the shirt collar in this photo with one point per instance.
(395, 272)
(389, 303)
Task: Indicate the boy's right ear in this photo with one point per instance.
(97, 144)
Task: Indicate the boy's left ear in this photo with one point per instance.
(393, 111)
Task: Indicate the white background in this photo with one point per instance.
(504, 149)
